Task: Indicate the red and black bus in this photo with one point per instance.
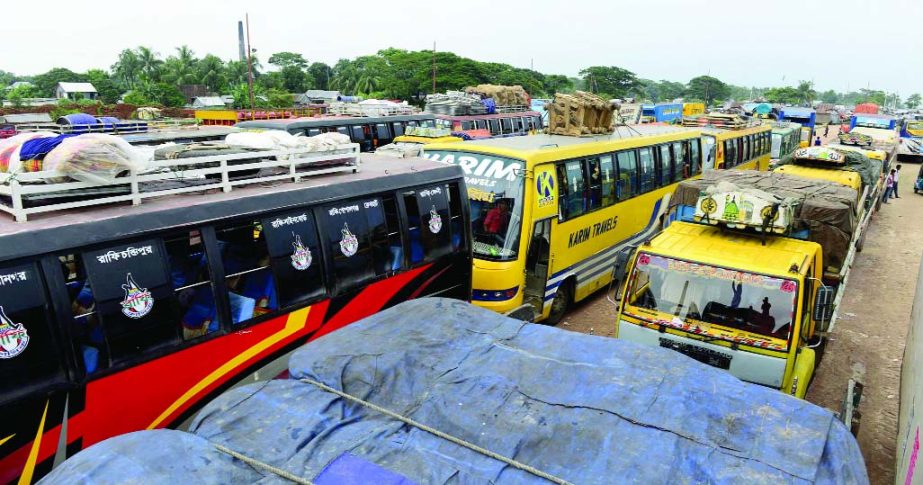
(117, 319)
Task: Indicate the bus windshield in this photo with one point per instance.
(776, 145)
(495, 188)
(754, 303)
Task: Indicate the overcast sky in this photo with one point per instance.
(838, 44)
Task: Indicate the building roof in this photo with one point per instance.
(19, 83)
(26, 118)
(321, 94)
(208, 101)
(77, 87)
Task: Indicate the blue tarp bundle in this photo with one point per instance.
(583, 408)
(37, 148)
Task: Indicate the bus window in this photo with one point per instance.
(383, 133)
(295, 256)
(358, 239)
(245, 256)
(696, 160)
(681, 169)
(594, 185)
(427, 214)
(313, 131)
(517, 125)
(467, 125)
(481, 124)
(648, 174)
(398, 128)
(342, 130)
(746, 143)
(766, 137)
(441, 123)
(385, 230)
(506, 125)
(730, 154)
(607, 174)
(412, 123)
(192, 284)
(537, 122)
(455, 209)
(710, 148)
(358, 134)
(572, 187)
(666, 165)
(628, 174)
(29, 359)
(135, 301)
(494, 126)
(428, 123)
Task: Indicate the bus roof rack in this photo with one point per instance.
(724, 121)
(22, 194)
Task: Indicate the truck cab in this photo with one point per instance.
(752, 303)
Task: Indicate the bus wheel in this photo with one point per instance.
(562, 300)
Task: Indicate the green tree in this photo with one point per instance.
(286, 59)
(20, 93)
(707, 89)
(806, 93)
(670, 90)
(105, 86)
(610, 81)
(150, 63)
(211, 73)
(127, 69)
(830, 96)
(242, 96)
(913, 101)
(873, 96)
(136, 98)
(280, 99)
(156, 93)
(46, 83)
(782, 95)
(556, 83)
(320, 75)
(181, 68)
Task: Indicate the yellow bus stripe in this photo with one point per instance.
(296, 321)
(4, 440)
(26, 477)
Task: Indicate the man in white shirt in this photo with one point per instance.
(896, 175)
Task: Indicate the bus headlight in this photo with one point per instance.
(494, 295)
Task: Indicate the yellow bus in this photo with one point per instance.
(746, 149)
(549, 212)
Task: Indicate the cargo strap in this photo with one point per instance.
(440, 434)
(263, 466)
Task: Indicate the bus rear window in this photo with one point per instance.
(295, 256)
(29, 359)
(358, 240)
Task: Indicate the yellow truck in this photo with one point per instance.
(746, 275)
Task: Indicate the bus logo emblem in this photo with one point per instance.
(435, 221)
(301, 258)
(349, 244)
(13, 337)
(138, 301)
(544, 184)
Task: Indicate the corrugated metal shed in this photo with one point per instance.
(26, 118)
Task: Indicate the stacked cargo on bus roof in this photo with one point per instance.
(370, 132)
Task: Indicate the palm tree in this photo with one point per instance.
(211, 73)
(806, 92)
(150, 64)
(180, 69)
(127, 68)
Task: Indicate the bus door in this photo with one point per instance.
(538, 261)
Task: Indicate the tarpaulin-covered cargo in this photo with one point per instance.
(828, 210)
(579, 114)
(585, 409)
(868, 169)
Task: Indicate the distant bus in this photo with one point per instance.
(786, 138)
(883, 122)
(743, 149)
(806, 117)
(661, 113)
(370, 132)
(498, 125)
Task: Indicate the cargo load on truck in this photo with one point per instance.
(827, 157)
(502, 95)
(824, 212)
(579, 114)
(477, 397)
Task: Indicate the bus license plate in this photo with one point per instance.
(705, 356)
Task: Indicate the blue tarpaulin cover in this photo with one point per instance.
(584, 408)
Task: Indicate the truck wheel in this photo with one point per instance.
(562, 300)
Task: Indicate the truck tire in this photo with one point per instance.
(562, 301)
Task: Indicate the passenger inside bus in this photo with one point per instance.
(246, 266)
(498, 218)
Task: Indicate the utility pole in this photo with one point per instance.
(249, 67)
(434, 67)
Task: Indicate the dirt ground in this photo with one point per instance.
(868, 341)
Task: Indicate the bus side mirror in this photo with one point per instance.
(823, 307)
(620, 266)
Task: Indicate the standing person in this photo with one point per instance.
(897, 174)
(889, 186)
(826, 130)
(817, 141)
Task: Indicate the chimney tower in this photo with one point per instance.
(240, 39)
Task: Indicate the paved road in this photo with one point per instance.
(868, 341)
